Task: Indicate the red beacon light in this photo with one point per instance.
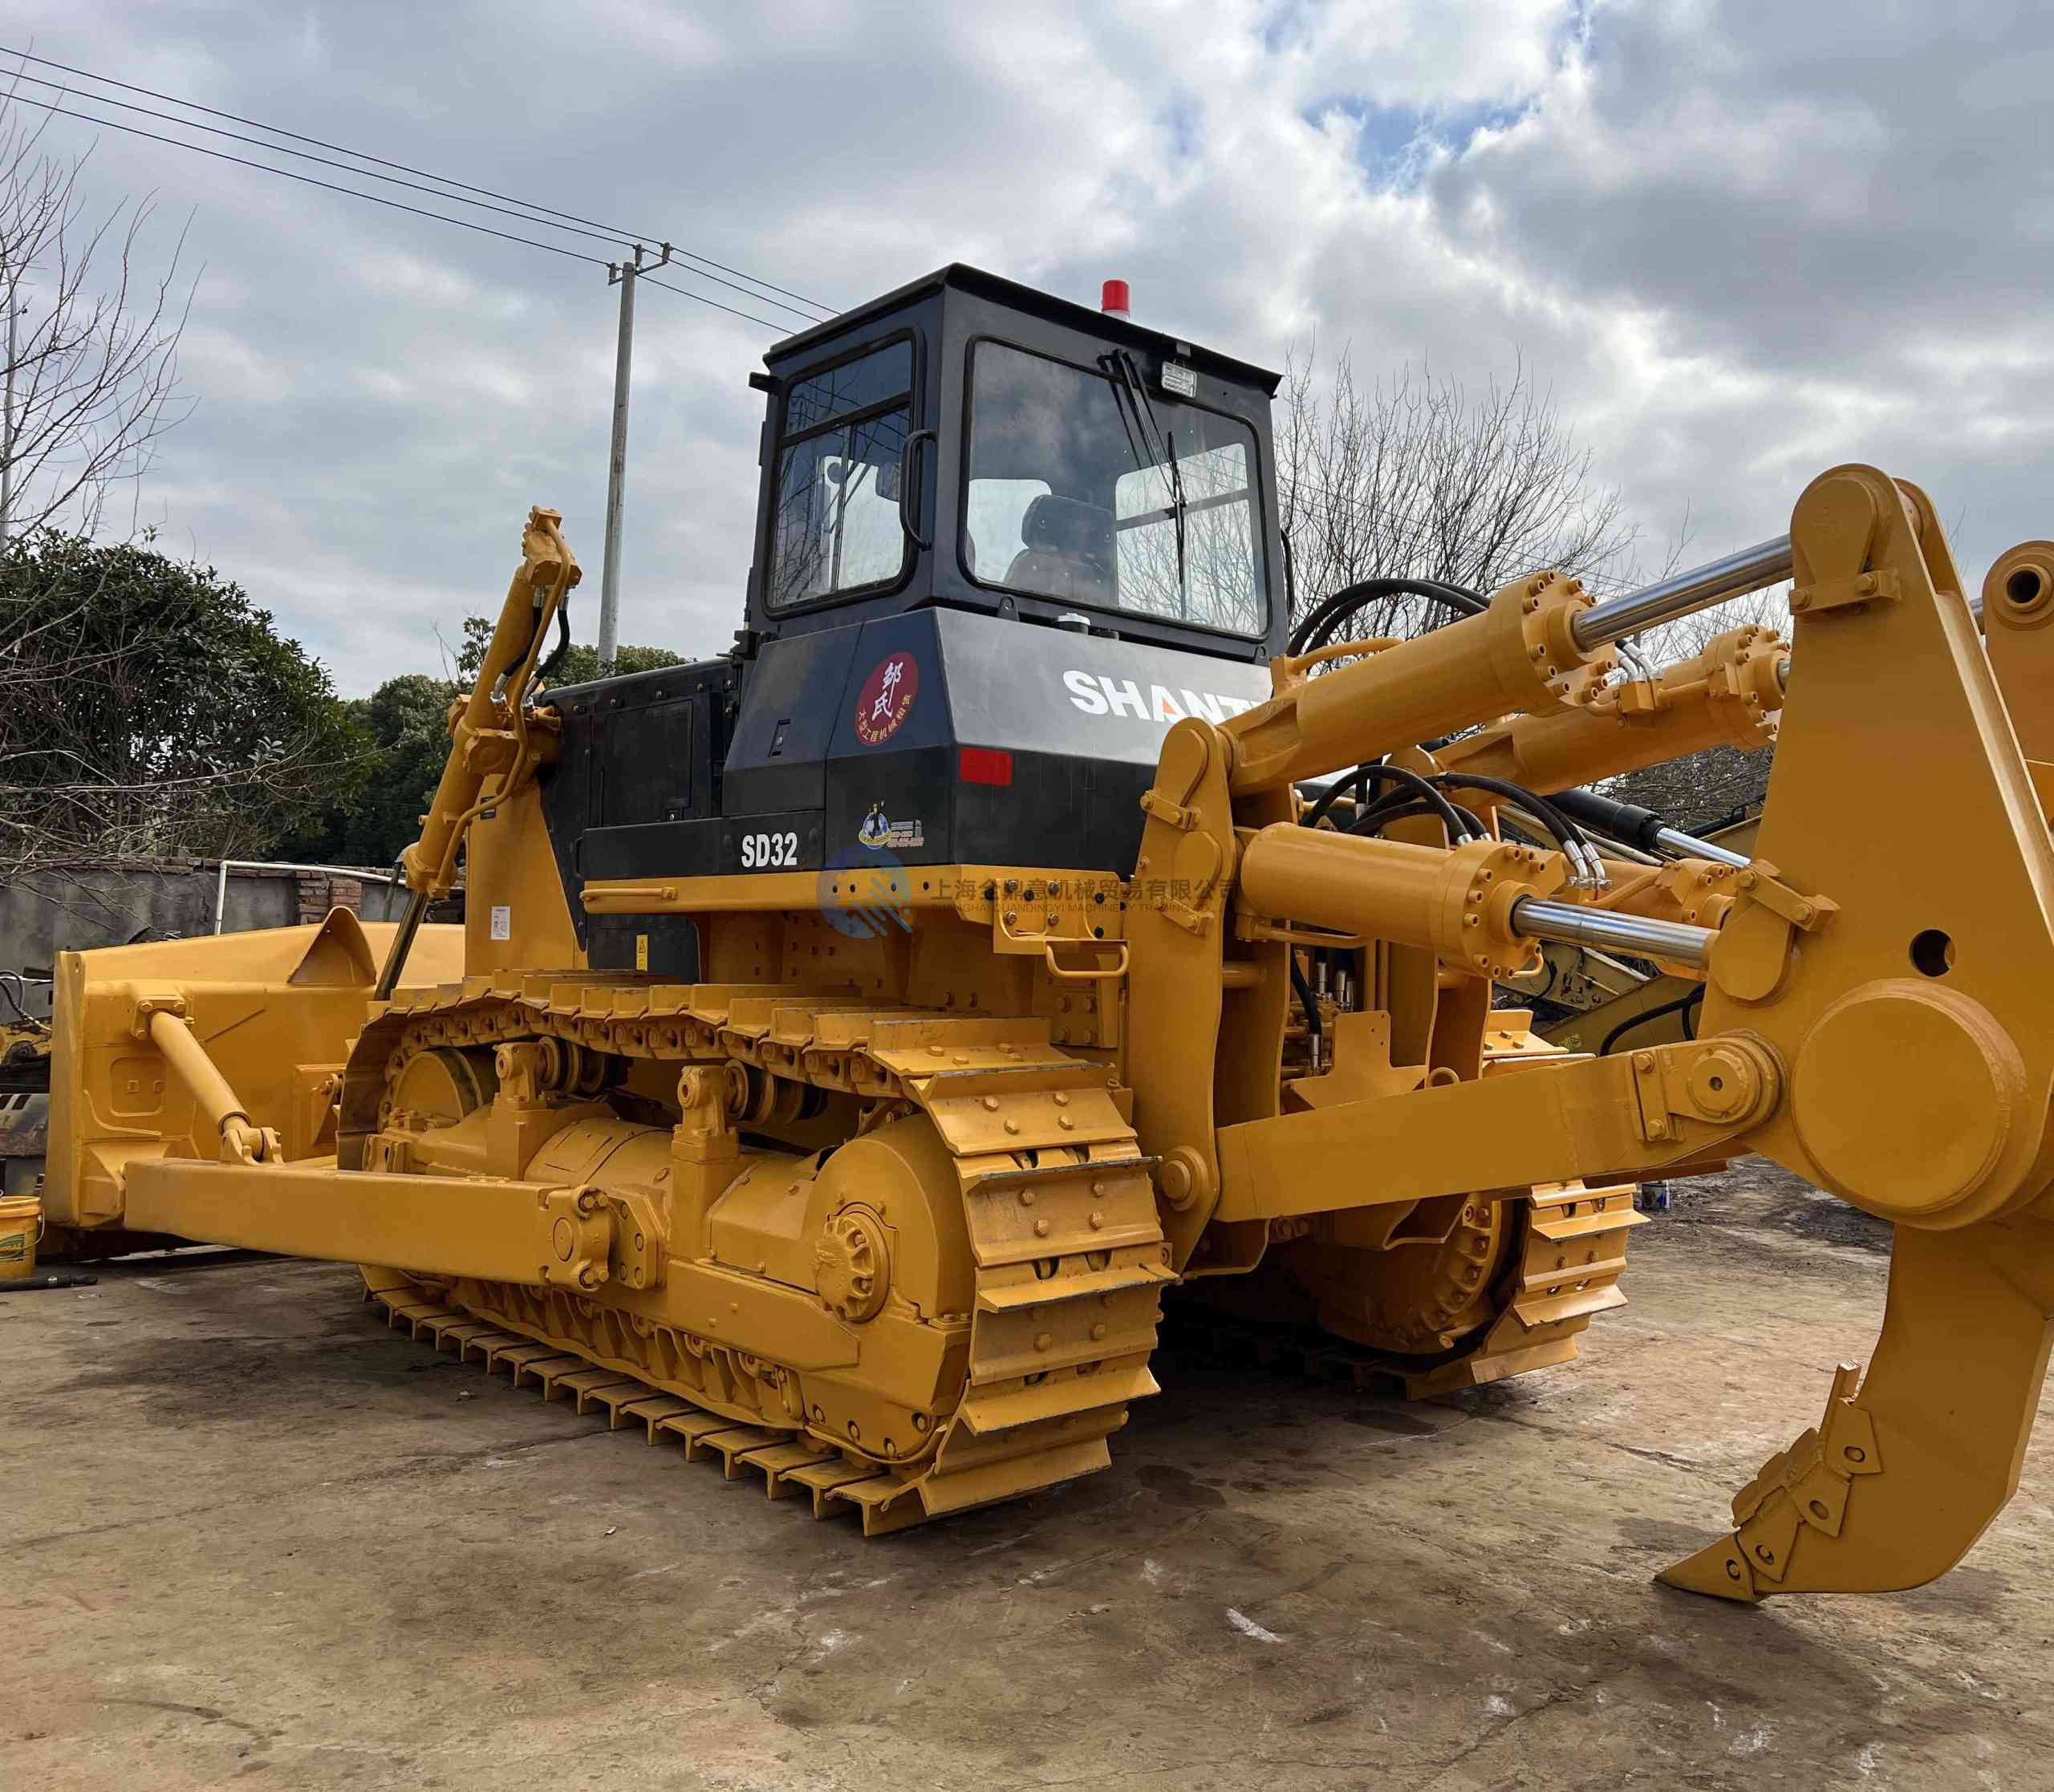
(1114, 302)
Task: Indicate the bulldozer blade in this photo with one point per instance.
(1907, 1469)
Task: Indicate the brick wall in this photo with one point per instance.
(317, 892)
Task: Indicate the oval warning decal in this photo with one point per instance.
(887, 699)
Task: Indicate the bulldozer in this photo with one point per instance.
(854, 1039)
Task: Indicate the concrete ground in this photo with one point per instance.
(249, 1535)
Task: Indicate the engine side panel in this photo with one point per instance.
(930, 738)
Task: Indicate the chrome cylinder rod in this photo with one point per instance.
(1678, 845)
(1538, 918)
(403, 941)
(1750, 570)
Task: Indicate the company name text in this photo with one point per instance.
(1097, 695)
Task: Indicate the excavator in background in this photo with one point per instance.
(24, 1091)
(858, 1035)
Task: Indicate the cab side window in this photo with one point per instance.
(841, 456)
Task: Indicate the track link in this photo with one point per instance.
(1060, 1209)
(1565, 1273)
(1058, 1202)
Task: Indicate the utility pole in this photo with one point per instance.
(623, 275)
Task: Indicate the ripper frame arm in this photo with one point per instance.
(1875, 1019)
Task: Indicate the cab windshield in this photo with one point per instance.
(1088, 487)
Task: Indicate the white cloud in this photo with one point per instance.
(1740, 242)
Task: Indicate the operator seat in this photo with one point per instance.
(1068, 552)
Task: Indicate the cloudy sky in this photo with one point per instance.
(1741, 242)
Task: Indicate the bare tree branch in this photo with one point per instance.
(1422, 476)
(93, 370)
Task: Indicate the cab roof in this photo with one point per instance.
(959, 276)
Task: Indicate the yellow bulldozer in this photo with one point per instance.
(852, 1039)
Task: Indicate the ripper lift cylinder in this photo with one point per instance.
(1720, 696)
(1474, 671)
(1519, 657)
(1752, 569)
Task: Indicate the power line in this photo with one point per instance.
(643, 280)
(380, 199)
(612, 233)
(415, 186)
(354, 193)
(279, 148)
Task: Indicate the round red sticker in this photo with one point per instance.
(887, 699)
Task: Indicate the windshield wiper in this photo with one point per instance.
(1144, 412)
(1177, 510)
(1123, 402)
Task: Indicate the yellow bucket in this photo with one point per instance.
(21, 1231)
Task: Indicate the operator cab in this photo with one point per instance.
(968, 442)
(1004, 545)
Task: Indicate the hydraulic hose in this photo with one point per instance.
(1424, 791)
(1568, 836)
(547, 669)
(1325, 616)
(1397, 806)
(1307, 1001)
(1559, 823)
(1356, 780)
(1682, 1005)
